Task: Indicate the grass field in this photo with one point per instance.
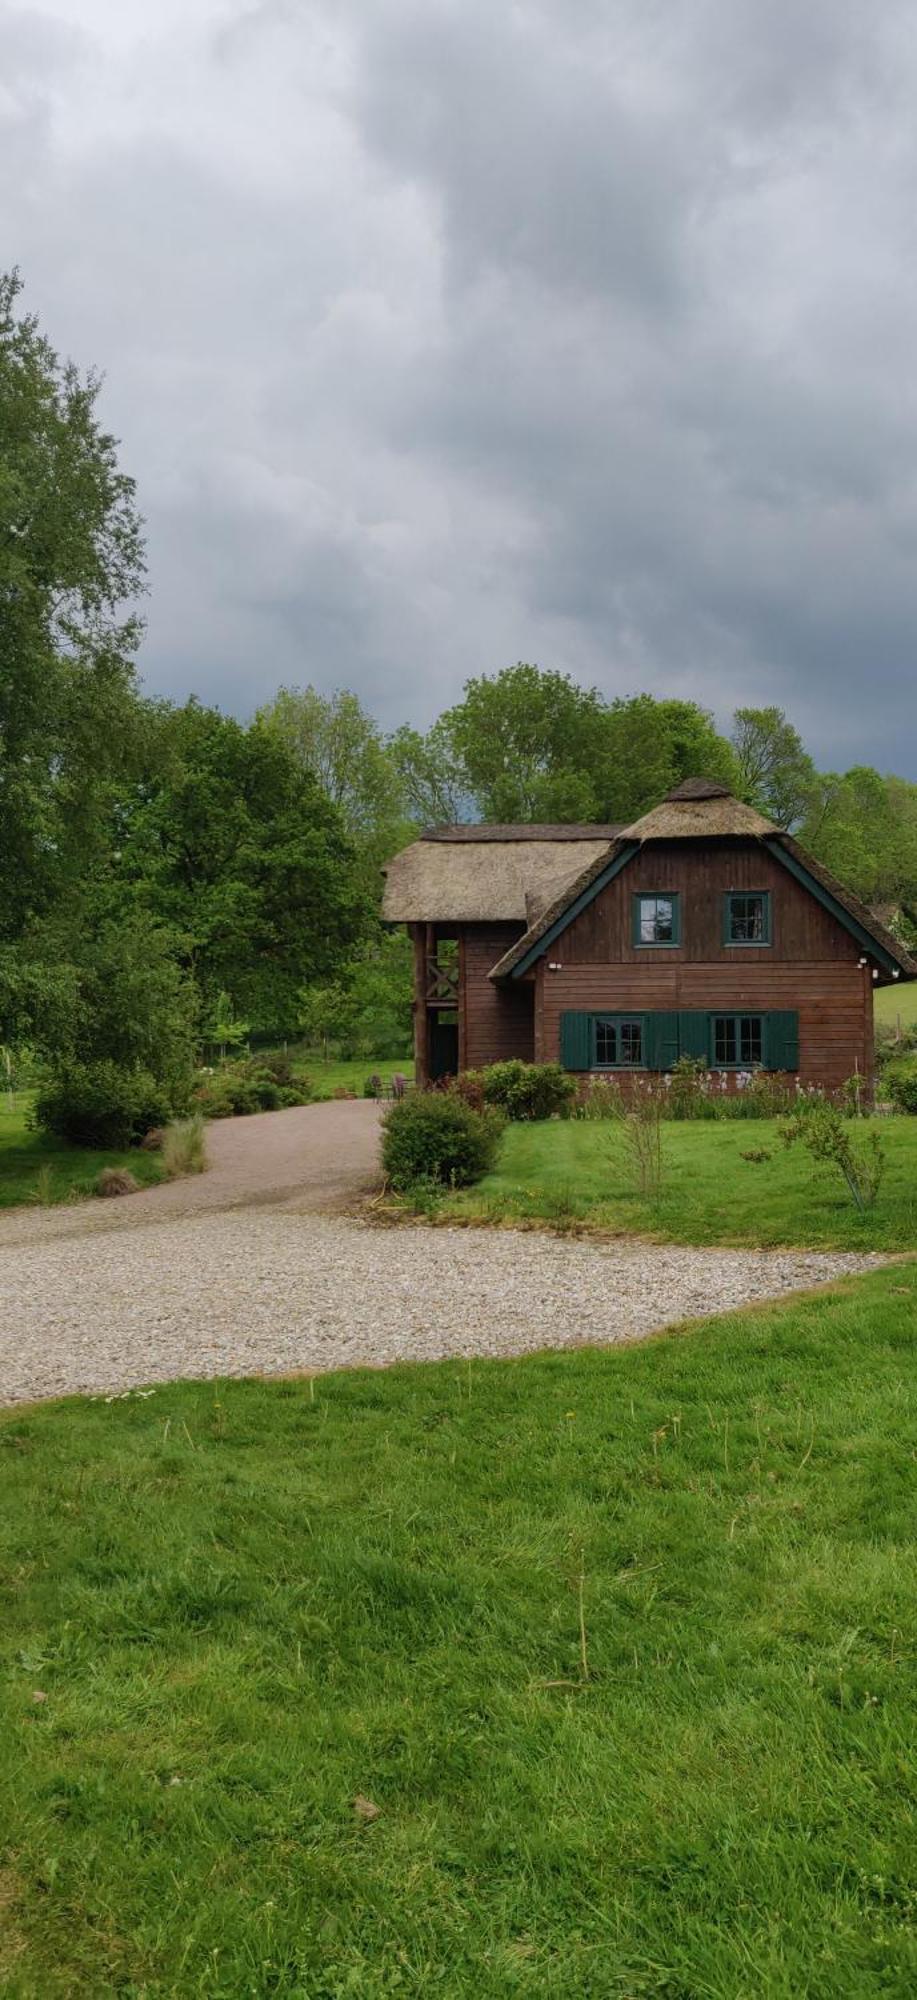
(897, 1002)
(618, 1648)
(577, 1173)
(36, 1168)
(329, 1076)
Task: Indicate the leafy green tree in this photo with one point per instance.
(433, 787)
(527, 744)
(342, 749)
(864, 828)
(532, 745)
(233, 846)
(649, 747)
(776, 772)
(71, 565)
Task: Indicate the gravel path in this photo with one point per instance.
(274, 1290)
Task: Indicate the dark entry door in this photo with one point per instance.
(443, 1048)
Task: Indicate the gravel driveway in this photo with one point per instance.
(244, 1271)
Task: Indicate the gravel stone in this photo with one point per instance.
(239, 1272)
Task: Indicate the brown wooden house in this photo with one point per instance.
(700, 930)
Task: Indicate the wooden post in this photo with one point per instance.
(421, 1026)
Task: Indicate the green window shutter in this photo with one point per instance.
(727, 918)
(694, 1035)
(660, 1041)
(576, 1041)
(781, 1041)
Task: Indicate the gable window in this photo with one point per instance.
(747, 917)
(657, 919)
(737, 1041)
(618, 1041)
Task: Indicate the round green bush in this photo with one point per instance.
(901, 1084)
(529, 1090)
(101, 1104)
(434, 1136)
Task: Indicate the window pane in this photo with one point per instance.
(750, 1038)
(747, 922)
(724, 1038)
(632, 1042)
(606, 1042)
(657, 920)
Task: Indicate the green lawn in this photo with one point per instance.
(894, 1002)
(577, 1173)
(329, 1076)
(36, 1168)
(620, 1645)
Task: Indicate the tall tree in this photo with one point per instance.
(235, 847)
(71, 565)
(527, 743)
(433, 788)
(343, 750)
(776, 772)
(649, 746)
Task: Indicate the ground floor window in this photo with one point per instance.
(618, 1041)
(738, 1041)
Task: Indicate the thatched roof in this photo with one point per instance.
(700, 810)
(487, 874)
(514, 834)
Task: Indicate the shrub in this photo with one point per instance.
(642, 1130)
(901, 1085)
(184, 1149)
(529, 1090)
(469, 1086)
(236, 1090)
(115, 1180)
(831, 1140)
(101, 1104)
(435, 1136)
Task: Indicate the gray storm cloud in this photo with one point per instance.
(443, 334)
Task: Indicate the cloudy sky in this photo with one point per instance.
(443, 333)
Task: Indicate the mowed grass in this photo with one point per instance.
(894, 1003)
(330, 1076)
(578, 1173)
(617, 1648)
(36, 1168)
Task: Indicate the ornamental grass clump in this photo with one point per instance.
(434, 1137)
(833, 1141)
(184, 1148)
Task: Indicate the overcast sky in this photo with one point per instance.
(445, 333)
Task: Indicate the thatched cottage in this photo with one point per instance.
(700, 930)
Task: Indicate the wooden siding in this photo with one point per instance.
(811, 965)
(495, 1022)
(801, 930)
(834, 1003)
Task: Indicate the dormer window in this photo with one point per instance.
(657, 918)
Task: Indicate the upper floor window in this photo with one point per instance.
(657, 919)
(618, 1041)
(747, 917)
